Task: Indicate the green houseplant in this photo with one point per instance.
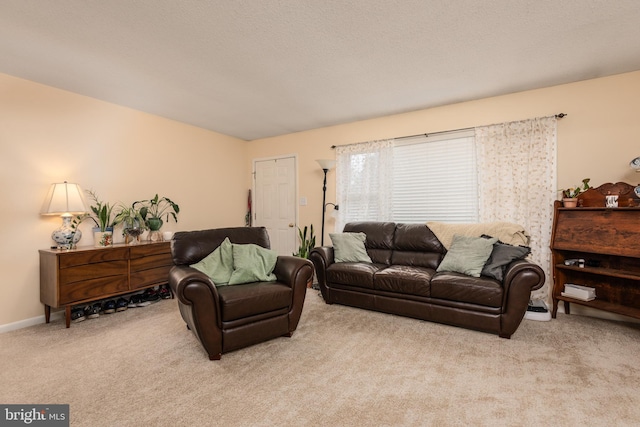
(306, 244)
(154, 209)
(103, 214)
(104, 218)
(133, 224)
(569, 195)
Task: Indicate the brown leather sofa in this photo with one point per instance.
(402, 279)
(227, 318)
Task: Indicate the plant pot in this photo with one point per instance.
(154, 224)
(570, 202)
(154, 229)
(132, 232)
(103, 238)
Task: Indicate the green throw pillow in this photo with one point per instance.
(218, 265)
(349, 247)
(467, 255)
(252, 263)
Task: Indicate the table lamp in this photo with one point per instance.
(66, 200)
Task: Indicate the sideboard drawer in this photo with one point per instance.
(70, 259)
(146, 278)
(149, 250)
(93, 271)
(93, 289)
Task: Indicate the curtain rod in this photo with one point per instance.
(557, 116)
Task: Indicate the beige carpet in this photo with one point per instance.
(342, 367)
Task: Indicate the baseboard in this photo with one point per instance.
(29, 322)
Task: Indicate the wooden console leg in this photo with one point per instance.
(67, 315)
(554, 311)
(566, 307)
(47, 313)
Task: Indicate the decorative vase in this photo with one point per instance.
(103, 238)
(66, 236)
(570, 202)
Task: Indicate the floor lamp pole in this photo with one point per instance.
(324, 206)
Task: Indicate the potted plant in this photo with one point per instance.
(154, 209)
(133, 224)
(306, 244)
(104, 218)
(570, 195)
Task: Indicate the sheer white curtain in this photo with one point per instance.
(517, 181)
(364, 182)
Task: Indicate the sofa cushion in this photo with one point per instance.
(251, 299)
(357, 274)
(379, 241)
(349, 247)
(218, 265)
(415, 244)
(463, 288)
(404, 279)
(501, 255)
(467, 255)
(252, 263)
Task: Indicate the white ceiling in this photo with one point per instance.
(259, 68)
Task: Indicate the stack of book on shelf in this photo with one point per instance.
(583, 293)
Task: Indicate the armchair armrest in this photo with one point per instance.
(199, 306)
(295, 272)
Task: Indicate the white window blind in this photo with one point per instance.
(435, 178)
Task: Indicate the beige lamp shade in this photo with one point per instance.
(64, 198)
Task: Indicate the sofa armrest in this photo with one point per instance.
(322, 258)
(520, 278)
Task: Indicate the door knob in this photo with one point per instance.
(291, 224)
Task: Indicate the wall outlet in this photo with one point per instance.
(303, 201)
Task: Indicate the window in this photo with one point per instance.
(435, 178)
(416, 179)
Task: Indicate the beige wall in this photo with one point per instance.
(49, 135)
(597, 139)
(125, 155)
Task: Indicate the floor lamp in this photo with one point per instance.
(326, 165)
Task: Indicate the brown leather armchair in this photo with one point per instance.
(227, 318)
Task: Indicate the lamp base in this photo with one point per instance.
(65, 235)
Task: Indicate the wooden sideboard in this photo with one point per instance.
(608, 240)
(85, 274)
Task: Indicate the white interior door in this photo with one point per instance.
(275, 202)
